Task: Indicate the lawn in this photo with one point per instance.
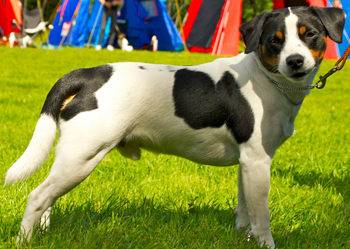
(165, 201)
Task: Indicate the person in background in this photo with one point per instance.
(337, 3)
(110, 10)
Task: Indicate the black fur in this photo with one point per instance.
(253, 30)
(272, 44)
(202, 103)
(333, 20)
(82, 82)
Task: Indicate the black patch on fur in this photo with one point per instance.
(253, 30)
(270, 45)
(202, 103)
(142, 67)
(82, 82)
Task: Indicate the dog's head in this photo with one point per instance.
(293, 41)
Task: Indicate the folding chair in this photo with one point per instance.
(33, 25)
(33, 21)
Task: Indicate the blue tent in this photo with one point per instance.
(346, 39)
(72, 25)
(93, 26)
(62, 24)
(146, 18)
(77, 37)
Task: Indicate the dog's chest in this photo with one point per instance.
(287, 129)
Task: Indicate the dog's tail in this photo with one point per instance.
(70, 88)
(37, 151)
(45, 131)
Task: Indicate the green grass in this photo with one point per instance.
(165, 201)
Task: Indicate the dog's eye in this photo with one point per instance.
(310, 34)
(274, 40)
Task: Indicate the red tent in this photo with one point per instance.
(331, 52)
(212, 26)
(10, 10)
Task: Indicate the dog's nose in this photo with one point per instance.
(295, 61)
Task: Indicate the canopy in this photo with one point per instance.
(10, 10)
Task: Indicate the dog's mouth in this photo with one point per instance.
(300, 75)
(296, 76)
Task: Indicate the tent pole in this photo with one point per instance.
(93, 28)
(70, 23)
(40, 10)
(180, 22)
(42, 19)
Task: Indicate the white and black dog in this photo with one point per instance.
(231, 111)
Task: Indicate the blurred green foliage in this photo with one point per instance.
(252, 8)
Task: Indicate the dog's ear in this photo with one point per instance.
(252, 30)
(333, 20)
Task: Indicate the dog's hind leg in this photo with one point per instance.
(38, 201)
(74, 161)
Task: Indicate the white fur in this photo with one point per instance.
(36, 153)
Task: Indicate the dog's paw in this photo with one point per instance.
(242, 220)
(262, 240)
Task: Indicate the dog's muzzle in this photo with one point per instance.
(295, 63)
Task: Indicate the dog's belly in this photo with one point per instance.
(210, 146)
(145, 107)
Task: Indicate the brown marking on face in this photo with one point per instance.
(66, 102)
(279, 35)
(318, 54)
(268, 61)
(302, 30)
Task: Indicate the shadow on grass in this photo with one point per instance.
(122, 208)
(143, 223)
(10, 231)
(312, 179)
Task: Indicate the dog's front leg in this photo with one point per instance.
(241, 211)
(255, 180)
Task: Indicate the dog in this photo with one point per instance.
(230, 111)
(23, 40)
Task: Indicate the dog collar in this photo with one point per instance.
(287, 88)
(283, 88)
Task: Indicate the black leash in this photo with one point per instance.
(323, 78)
